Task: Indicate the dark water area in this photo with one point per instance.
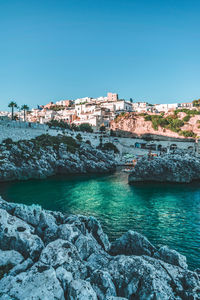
(167, 214)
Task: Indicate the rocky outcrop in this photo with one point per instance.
(134, 125)
(47, 155)
(48, 255)
(178, 167)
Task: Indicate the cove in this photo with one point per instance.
(167, 214)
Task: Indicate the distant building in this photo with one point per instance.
(120, 105)
(166, 107)
(112, 97)
(188, 105)
(83, 100)
(140, 106)
(64, 103)
(49, 105)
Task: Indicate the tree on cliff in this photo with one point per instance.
(24, 108)
(102, 128)
(13, 105)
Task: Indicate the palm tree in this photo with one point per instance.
(24, 108)
(13, 105)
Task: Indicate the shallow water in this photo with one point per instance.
(165, 213)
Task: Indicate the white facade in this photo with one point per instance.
(123, 105)
(120, 105)
(83, 100)
(84, 108)
(166, 107)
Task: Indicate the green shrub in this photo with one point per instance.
(102, 128)
(74, 127)
(8, 141)
(85, 127)
(108, 147)
(79, 137)
(188, 133)
(147, 118)
(45, 140)
(60, 124)
(187, 118)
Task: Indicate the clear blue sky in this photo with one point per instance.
(56, 49)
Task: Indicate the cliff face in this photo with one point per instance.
(132, 124)
(48, 255)
(46, 156)
(179, 167)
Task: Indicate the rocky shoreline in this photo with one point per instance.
(49, 155)
(49, 255)
(178, 167)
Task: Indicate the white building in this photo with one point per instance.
(84, 108)
(166, 107)
(140, 106)
(120, 105)
(83, 100)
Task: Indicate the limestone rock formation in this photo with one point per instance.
(69, 257)
(47, 155)
(178, 167)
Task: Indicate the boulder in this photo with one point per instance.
(132, 243)
(63, 253)
(8, 260)
(102, 284)
(81, 290)
(17, 235)
(34, 284)
(172, 257)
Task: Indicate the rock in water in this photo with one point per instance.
(55, 256)
(167, 168)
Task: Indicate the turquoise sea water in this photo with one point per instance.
(165, 213)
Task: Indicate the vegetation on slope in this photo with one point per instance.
(172, 122)
(85, 127)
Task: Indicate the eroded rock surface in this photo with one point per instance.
(178, 167)
(47, 255)
(47, 155)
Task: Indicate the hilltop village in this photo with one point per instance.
(132, 127)
(94, 111)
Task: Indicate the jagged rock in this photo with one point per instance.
(46, 158)
(30, 214)
(102, 284)
(33, 284)
(10, 257)
(95, 228)
(86, 245)
(47, 227)
(64, 277)
(132, 243)
(8, 260)
(98, 261)
(17, 235)
(22, 267)
(167, 168)
(64, 253)
(172, 257)
(68, 232)
(82, 290)
(79, 267)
